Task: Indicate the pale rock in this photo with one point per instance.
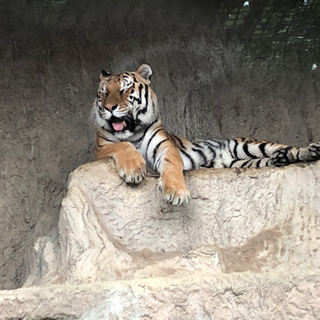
(246, 247)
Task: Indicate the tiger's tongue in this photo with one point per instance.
(117, 126)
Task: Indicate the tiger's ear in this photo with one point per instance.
(104, 74)
(145, 71)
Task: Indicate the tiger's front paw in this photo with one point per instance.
(174, 191)
(132, 168)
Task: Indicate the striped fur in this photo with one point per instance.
(129, 129)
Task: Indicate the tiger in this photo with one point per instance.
(129, 130)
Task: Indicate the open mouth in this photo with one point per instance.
(117, 123)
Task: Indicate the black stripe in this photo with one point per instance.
(216, 144)
(229, 149)
(157, 163)
(143, 111)
(101, 145)
(146, 95)
(258, 163)
(297, 155)
(144, 133)
(179, 140)
(220, 143)
(233, 162)
(189, 157)
(262, 148)
(138, 99)
(209, 146)
(153, 135)
(197, 144)
(157, 147)
(140, 91)
(103, 137)
(246, 151)
(245, 163)
(107, 140)
(235, 153)
(210, 165)
(201, 153)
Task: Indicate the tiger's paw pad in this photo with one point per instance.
(177, 196)
(282, 157)
(314, 151)
(133, 171)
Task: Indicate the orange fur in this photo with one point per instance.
(171, 178)
(129, 162)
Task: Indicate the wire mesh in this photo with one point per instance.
(270, 30)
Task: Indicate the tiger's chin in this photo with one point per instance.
(123, 135)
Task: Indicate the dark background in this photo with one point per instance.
(221, 69)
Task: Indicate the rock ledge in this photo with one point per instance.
(245, 247)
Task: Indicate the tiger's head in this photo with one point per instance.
(125, 103)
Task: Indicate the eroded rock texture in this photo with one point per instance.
(246, 247)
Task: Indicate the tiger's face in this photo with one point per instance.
(125, 103)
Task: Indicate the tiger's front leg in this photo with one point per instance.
(171, 180)
(130, 164)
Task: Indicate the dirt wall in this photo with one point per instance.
(50, 65)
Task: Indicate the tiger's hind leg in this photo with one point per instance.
(281, 157)
(247, 152)
(310, 153)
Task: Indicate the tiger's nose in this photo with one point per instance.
(112, 106)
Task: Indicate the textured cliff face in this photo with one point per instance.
(50, 69)
(245, 246)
